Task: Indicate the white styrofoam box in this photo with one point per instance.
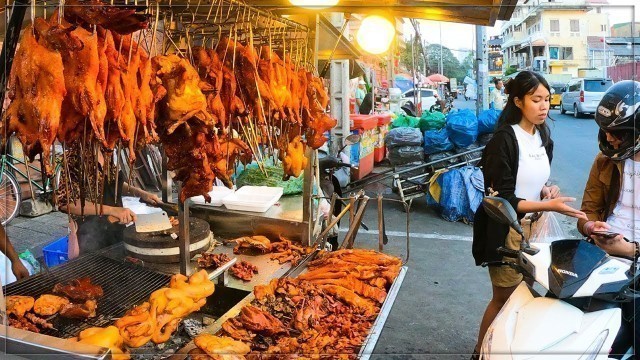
(217, 193)
(253, 198)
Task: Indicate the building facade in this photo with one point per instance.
(627, 29)
(551, 36)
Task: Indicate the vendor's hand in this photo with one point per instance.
(123, 215)
(550, 192)
(18, 269)
(558, 205)
(149, 198)
(616, 246)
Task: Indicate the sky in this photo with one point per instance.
(433, 31)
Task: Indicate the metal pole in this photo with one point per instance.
(183, 235)
(481, 70)
(441, 66)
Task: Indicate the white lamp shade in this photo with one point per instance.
(375, 34)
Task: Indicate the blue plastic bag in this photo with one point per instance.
(474, 185)
(462, 127)
(487, 121)
(454, 202)
(436, 141)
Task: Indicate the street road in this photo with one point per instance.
(438, 310)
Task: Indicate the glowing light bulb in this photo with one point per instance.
(314, 4)
(375, 34)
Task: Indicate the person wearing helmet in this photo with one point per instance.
(609, 199)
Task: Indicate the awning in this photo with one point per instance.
(477, 12)
(536, 43)
(328, 41)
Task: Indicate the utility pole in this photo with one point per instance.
(482, 69)
(441, 67)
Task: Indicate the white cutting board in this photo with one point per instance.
(152, 222)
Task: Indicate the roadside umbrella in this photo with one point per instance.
(438, 78)
(426, 81)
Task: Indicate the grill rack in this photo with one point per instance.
(124, 286)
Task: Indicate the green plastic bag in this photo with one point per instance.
(252, 175)
(405, 121)
(28, 257)
(432, 121)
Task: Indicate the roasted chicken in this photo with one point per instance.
(259, 321)
(137, 326)
(19, 305)
(122, 19)
(108, 337)
(294, 160)
(36, 88)
(48, 305)
(211, 260)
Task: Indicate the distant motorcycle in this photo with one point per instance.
(443, 106)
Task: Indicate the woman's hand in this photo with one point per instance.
(558, 205)
(550, 192)
(123, 215)
(149, 198)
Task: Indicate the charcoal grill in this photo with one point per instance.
(124, 286)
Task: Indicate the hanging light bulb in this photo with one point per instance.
(314, 4)
(375, 34)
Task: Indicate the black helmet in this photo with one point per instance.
(619, 114)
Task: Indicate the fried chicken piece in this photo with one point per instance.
(211, 260)
(294, 162)
(24, 324)
(233, 327)
(48, 305)
(79, 290)
(230, 150)
(359, 287)
(121, 19)
(257, 242)
(79, 311)
(108, 337)
(18, 305)
(263, 292)
(255, 319)
(351, 298)
(243, 270)
(184, 100)
(36, 88)
(316, 128)
(221, 347)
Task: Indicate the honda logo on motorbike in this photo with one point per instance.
(567, 272)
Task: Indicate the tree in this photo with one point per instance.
(469, 62)
(451, 66)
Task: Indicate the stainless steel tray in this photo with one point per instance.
(367, 347)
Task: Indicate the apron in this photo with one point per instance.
(97, 232)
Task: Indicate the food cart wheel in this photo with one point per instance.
(10, 197)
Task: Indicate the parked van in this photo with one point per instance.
(582, 96)
(556, 95)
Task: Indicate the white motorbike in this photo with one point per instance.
(578, 318)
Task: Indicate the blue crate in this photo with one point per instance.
(57, 252)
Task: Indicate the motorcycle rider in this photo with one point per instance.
(609, 200)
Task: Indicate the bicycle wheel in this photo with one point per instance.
(10, 197)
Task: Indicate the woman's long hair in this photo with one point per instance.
(525, 83)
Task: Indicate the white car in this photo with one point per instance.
(582, 96)
(425, 97)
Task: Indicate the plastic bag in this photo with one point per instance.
(405, 121)
(474, 185)
(487, 121)
(405, 155)
(547, 229)
(462, 127)
(436, 141)
(441, 155)
(432, 121)
(252, 175)
(403, 137)
(454, 201)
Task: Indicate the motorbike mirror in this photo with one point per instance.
(352, 139)
(501, 211)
